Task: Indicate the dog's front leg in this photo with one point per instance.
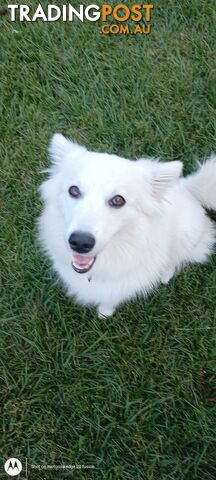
(105, 310)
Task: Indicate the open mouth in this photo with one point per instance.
(82, 263)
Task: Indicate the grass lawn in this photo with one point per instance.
(132, 395)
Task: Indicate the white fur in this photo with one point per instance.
(162, 226)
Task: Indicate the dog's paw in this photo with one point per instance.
(105, 311)
(166, 277)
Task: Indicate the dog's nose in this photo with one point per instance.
(81, 242)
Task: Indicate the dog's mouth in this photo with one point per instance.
(82, 263)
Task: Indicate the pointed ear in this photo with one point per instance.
(60, 147)
(164, 176)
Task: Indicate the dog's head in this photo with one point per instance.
(101, 196)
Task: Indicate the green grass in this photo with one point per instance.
(132, 395)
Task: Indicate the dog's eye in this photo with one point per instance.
(117, 201)
(74, 191)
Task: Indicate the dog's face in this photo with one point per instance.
(101, 196)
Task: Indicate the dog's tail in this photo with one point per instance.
(202, 184)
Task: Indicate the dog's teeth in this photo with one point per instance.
(79, 265)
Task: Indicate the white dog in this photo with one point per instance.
(116, 228)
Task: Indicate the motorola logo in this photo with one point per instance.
(13, 467)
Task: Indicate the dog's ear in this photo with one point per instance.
(60, 147)
(164, 176)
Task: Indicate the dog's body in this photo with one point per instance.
(140, 221)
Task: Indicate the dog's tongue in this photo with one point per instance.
(83, 260)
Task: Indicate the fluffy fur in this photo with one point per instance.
(161, 227)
